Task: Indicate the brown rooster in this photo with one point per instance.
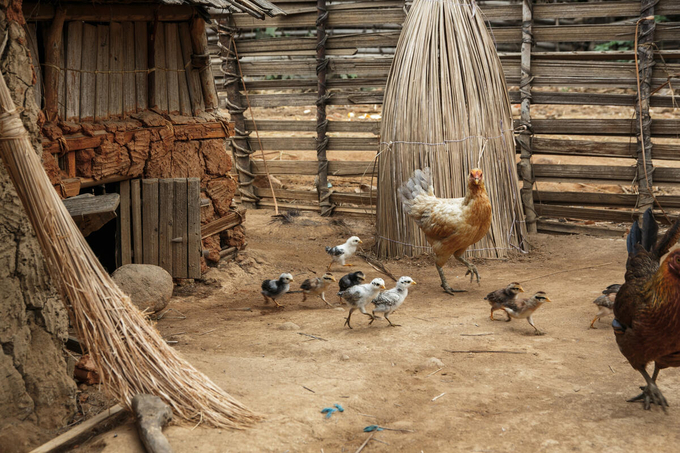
(450, 225)
(647, 307)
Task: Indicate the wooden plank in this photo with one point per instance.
(136, 203)
(603, 215)
(310, 196)
(172, 75)
(70, 187)
(158, 81)
(194, 227)
(335, 168)
(309, 143)
(359, 17)
(141, 64)
(340, 41)
(165, 223)
(129, 93)
(596, 126)
(54, 61)
(546, 226)
(102, 77)
(87, 78)
(183, 78)
(38, 88)
(193, 77)
(150, 220)
(116, 66)
(359, 126)
(91, 212)
(74, 55)
(601, 172)
(199, 43)
(124, 224)
(92, 12)
(179, 247)
(82, 431)
(310, 207)
(585, 198)
(230, 220)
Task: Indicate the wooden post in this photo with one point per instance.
(239, 144)
(124, 224)
(643, 125)
(321, 121)
(201, 60)
(53, 68)
(194, 227)
(136, 206)
(73, 60)
(150, 221)
(524, 167)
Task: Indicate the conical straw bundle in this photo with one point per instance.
(129, 353)
(446, 107)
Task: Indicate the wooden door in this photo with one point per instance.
(159, 223)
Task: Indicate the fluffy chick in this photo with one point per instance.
(605, 303)
(525, 308)
(388, 301)
(359, 296)
(317, 286)
(272, 289)
(349, 280)
(340, 253)
(497, 298)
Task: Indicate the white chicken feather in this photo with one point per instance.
(340, 253)
(388, 301)
(359, 296)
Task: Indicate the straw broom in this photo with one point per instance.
(130, 354)
(446, 107)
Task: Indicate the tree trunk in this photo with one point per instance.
(35, 391)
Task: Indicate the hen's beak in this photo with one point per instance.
(360, 241)
(477, 181)
(382, 286)
(413, 282)
(521, 290)
(333, 278)
(547, 299)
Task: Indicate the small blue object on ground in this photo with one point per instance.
(372, 428)
(339, 407)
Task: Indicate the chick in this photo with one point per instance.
(388, 301)
(272, 289)
(605, 303)
(340, 253)
(317, 286)
(525, 308)
(349, 280)
(500, 296)
(359, 295)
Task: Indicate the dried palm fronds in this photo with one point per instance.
(129, 353)
(446, 107)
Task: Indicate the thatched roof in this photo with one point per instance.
(257, 8)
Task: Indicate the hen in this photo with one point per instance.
(450, 225)
(647, 308)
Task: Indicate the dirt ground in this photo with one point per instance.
(565, 391)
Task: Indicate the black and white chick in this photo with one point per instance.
(340, 253)
(497, 298)
(605, 303)
(525, 308)
(317, 286)
(388, 301)
(359, 296)
(273, 289)
(352, 279)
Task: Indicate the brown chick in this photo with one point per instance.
(450, 225)
(525, 308)
(500, 296)
(605, 303)
(317, 286)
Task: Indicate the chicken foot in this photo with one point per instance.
(651, 393)
(324, 299)
(386, 318)
(472, 269)
(362, 310)
(445, 285)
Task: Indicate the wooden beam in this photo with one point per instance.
(551, 227)
(326, 208)
(335, 168)
(53, 52)
(124, 224)
(87, 78)
(136, 204)
(92, 212)
(525, 137)
(199, 42)
(150, 211)
(223, 223)
(194, 227)
(179, 230)
(165, 223)
(91, 12)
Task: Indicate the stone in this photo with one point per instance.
(344, 357)
(288, 326)
(149, 287)
(433, 362)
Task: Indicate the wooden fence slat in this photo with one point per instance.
(309, 143)
(297, 167)
(87, 79)
(193, 78)
(179, 247)
(74, 55)
(141, 64)
(172, 76)
(367, 126)
(129, 92)
(150, 220)
(183, 77)
(158, 80)
(116, 67)
(124, 224)
(32, 36)
(136, 203)
(102, 77)
(165, 223)
(194, 227)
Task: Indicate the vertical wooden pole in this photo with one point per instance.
(53, 52)
(526, 172)
(73, 59)
(101, 109)
(194, 227)
(179, 242)
(643, 125)
(136, 205)
(141, 64)
(87, 78)
(201, 60)
(129, 92)
(193, 77)
(150, 221)
(321, 121)
(239, 144)
(165, 221)
(124, 224)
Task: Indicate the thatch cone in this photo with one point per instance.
(445, 102)
(129, 353)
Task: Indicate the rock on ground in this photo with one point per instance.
(149, 287)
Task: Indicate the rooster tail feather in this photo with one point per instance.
(634, 237)
(669, 239)
(419, 183)
(650, 230)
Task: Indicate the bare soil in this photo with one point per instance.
(564, 391)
